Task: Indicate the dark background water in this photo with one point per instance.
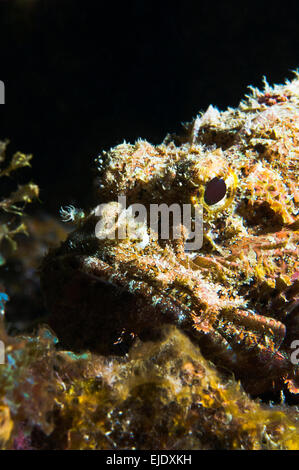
(82, 76)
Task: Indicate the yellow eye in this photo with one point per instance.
(217, 194)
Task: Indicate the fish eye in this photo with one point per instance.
(215, 191)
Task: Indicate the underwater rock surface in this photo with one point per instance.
(163, 395)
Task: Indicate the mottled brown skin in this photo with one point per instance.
(238, 296)
(93, 308)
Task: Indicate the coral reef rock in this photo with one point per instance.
(162, 395)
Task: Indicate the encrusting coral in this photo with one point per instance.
(163, 395)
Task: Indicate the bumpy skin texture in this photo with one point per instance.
(237, 296)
